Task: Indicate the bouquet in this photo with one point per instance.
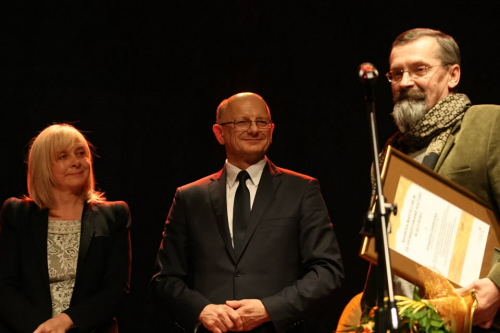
(441, 310)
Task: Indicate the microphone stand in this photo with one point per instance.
(387, 314)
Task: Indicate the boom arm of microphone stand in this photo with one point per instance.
(387, 311)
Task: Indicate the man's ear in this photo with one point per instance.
(219, 135)
(454, 76)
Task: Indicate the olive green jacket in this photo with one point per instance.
(471, 158)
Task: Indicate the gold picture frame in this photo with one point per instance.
(404, 182)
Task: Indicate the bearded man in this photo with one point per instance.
(440, 128)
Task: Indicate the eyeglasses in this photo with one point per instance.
(418, 72)
(244, 125)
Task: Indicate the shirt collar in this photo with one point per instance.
(255, 172)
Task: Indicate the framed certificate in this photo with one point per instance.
(437, 224)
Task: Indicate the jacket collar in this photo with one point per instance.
(89, 223)
(40, 233)
(448, 145)
(268, 184)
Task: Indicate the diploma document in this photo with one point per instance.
(437, 224)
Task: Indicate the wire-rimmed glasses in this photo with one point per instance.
(245, 124)
(396, 75)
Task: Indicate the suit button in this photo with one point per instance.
(237, 273)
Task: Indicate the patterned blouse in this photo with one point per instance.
(63, 242)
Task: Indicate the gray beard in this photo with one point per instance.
(407, 114)
(409, 108)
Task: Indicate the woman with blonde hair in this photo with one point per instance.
(65, 251)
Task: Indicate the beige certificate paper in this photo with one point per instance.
(436, 234)
(438, 224)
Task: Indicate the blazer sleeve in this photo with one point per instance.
(169, 285)
(105, 276)
(16, 310)
(493, 167)
(322, 264)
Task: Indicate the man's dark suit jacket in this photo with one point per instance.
(102, 275)
(290, 260)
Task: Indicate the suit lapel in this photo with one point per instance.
(268, 184)
(447, 146)
(217, 193)
(39, 237)
(89, 223)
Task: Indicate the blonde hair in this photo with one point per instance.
(43, 152)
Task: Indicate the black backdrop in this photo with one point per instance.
(143, 79)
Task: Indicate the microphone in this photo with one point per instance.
(368, 73)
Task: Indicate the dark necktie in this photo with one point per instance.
(241, 211)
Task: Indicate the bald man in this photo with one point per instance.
(271, 266)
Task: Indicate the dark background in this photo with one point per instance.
(143, 79)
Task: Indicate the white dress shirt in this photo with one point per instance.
(255, 172)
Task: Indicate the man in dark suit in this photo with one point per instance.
(276, 273)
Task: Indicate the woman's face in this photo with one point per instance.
(71, 167)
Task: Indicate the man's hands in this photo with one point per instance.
(236, 316)
(488, 301)
(251, 311)
(219, 318)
